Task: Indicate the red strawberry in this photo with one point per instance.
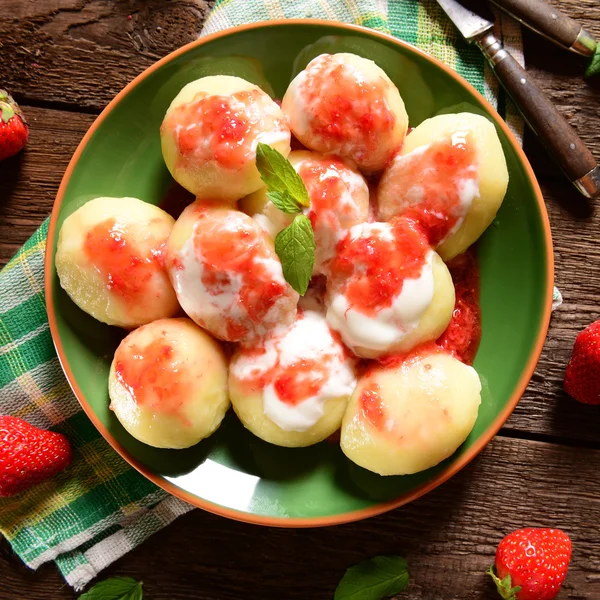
(531, 564)
(13, 127)
(29, 455)
(582, 377)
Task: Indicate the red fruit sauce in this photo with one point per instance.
(154, 376)
(220, 128)
(238, 250)
(345, 110)
(371, 270)
(126, 273)
(440, 172)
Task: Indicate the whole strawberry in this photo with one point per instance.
(582, 377)
(29, 455)
(13, 128)
(531, 564)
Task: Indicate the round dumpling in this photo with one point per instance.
(345, 104)
(407, 419)
(210, 133)
(226, 273)
(451, 177)
(339, 199)
(293, 388)
(388, 291)
(168, 384)
(109, 260)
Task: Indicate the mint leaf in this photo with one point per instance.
(116, 588)
(594, 66)
(278, 174)
(374, 579)
(295, 246)
(284, 202)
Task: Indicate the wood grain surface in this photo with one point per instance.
(64, 60)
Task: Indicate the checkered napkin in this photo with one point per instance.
(100, 508)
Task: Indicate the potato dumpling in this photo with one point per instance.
(210, 133)
(409, 418)
(293, 388)
(339, 199)
(451, 177)
(109, 260)
(226, 273)
(388, 291)
(168, 384)
(345, 104)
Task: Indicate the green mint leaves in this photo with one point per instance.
(116, 588)
(295, 245)
(594, 66)
(279, 175)
(374, 579)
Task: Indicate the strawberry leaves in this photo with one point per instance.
(504, 586)
(374, 579)
(116, 588)
(594, 66)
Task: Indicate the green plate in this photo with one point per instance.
(234, 473)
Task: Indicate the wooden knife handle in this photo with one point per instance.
(551, 23)
(567, 148)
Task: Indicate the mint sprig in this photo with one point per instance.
(295, 245)
(374, 579)
(594, 66)
(115, 588)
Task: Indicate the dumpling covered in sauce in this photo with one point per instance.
(293, 388)
(339, 199)
(388, 291)
(450, 176)
(168, 384)
(411, 417)
(345, 104)
(210, 133)
(109, 260)
(226, 273)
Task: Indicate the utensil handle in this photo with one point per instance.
(567, 148)
(551, 23)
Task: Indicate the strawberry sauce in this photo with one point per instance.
(372, 269)
(126, 273)
(434, 186)
(153, 375)
(345, 109)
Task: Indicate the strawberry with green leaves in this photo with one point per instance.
(29, 455)
(13, 127)
(531, 564)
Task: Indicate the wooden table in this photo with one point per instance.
(64, 60)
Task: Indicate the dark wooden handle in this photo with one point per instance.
(544, 19)
(553, 130)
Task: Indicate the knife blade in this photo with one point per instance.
(551, 23)
(475, 22)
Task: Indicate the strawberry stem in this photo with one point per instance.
(7, 111)
(504, 586)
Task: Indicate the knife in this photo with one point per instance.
(475, 23)
(551, 23)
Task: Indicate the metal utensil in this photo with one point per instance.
(475, 22)
(551, 23)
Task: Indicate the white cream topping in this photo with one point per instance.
(307, 339)
(391, 324)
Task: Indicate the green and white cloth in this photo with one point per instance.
(100, 508)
